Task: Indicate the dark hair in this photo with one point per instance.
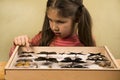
(69, 8)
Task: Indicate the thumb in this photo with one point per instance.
(27, 41)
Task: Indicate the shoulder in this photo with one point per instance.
(36, 39)
(38, 35)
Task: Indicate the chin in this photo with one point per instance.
(59, 36)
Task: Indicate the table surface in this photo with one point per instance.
(2, 66)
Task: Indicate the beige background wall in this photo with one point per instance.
(18, 17)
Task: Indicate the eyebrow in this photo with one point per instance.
(57, 20)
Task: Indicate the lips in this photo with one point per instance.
(57, 33)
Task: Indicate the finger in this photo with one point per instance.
(30, 41)
(16, 41)
(26, 41)
(22, 40)
(19, 41)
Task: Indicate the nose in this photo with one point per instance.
(55, 27)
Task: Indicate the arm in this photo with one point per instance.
(35, 41)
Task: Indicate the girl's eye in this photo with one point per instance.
(60, 21)
(49, 19)
(57, 21)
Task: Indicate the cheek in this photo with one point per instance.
(50, 25)
(66, 29)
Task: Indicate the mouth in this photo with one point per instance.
(57, 33)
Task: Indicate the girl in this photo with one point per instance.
(67, 23)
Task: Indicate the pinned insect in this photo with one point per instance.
(97, 57)
(24, 60)
(25, 55)
(47, 53)
(73, 65)
(46, 59)
(76, 60)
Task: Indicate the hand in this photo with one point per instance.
(22, 41)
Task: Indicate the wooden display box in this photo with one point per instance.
(113, 73)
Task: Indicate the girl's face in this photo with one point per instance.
(62, 27)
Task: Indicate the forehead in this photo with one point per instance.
(54, 13)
